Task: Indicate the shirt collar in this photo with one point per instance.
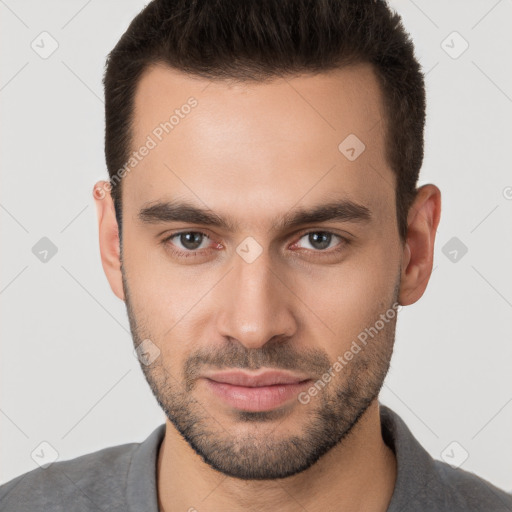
(141, 485)
(415, 467)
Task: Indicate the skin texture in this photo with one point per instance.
(253, 153)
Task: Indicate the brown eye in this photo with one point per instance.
(191, 240)
(320, 240)
(187, 242)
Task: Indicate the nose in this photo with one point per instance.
(256, 303)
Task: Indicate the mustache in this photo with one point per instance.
(278, 356)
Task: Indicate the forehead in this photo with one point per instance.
(261, 146)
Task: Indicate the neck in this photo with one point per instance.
(358, 474)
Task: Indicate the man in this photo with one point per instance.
(263, 225)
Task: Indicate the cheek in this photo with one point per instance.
(157, 293)
(172, 304)
(350, 297)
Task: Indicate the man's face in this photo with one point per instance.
(258, 292)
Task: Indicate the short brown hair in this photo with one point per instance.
(265, 39)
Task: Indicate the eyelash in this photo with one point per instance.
(187, 254)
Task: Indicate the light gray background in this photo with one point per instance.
(68, 373)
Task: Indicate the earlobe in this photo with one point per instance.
(109, 237)
(418, 255)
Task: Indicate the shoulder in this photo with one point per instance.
(80, 484)
(463, 490)
(427, 484)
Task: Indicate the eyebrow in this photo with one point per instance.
(181, 211)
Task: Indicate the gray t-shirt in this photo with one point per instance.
(123, 479)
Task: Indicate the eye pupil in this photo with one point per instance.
(191, 240)
(325, 239)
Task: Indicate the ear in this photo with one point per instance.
(418, 254)
(109, 236)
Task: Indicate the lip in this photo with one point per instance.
(261, 392)
(264, 378)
